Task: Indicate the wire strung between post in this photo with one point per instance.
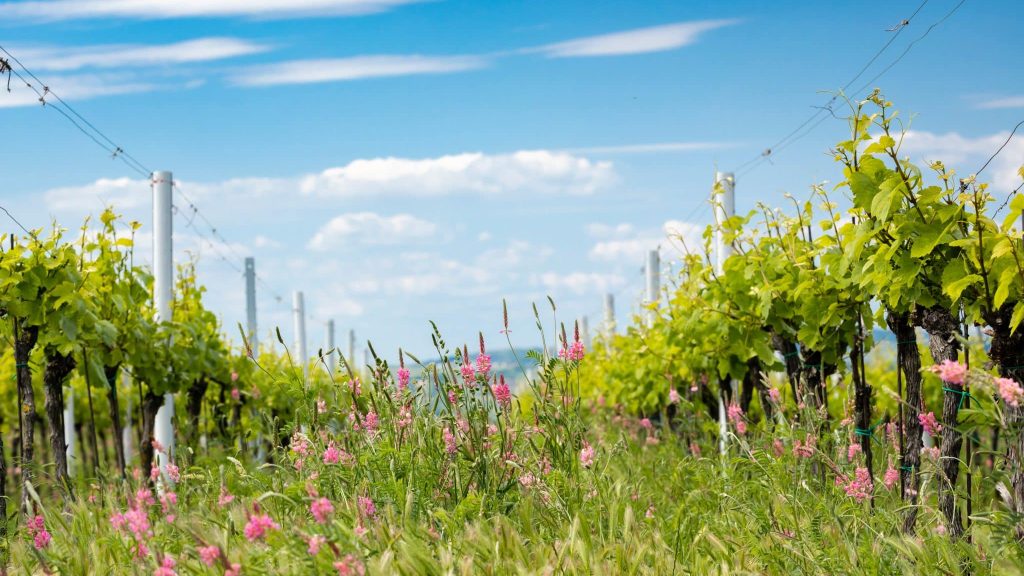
(799, 132)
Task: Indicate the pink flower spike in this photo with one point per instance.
(929, 423)
(950, 371)
(258, 526)
(321, 509)
(673, 396)
(235, 570)
(587, 455)
(1010, 391)
(367, 507)
(315, 542)
(209, 554)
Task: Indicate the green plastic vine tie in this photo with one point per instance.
(870, 432)
(963, 394)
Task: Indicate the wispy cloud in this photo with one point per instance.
(162, 9)
(354, 68)
(527, 171)
(968, 154)
(998, 103)
(79, 87)
(653, 148)
(370, 228)
(638, 41)
(624, 244)
(69, 58)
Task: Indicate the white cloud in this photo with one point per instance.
(999, 103)
(80, 87)
(261, 241)
(624, 244)
(639, 41)
(354, 68)
(158, 9)
(580, 282)
(64, 59)
(967, 154)
(540, 171)
(524, 172)
(122, 193)
(370, 228)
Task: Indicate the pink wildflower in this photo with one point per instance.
(371, 422)
(1010, 391)
(209, 554)
(940, 529)
(805, 449)
(315, 542)
(225, 497)
(736, 417)
(673, 396)
(37, 530)
(932, 453)
(929, 423)
(778, 448)
(166, 567)
(502, 394)
(950, 371)
(350, 566)
(860, 486)
(650, 512)
(527, 480)
(321, 406)
(587, 455)
(172, 472)
(853, 451)
(774, 395)
(355, 387)
(468, 373)
(258, 526)
(404, 417)
(483, 365)
(449, 441)
(236, 394)
(367, 507)
(235, 570)
(403, 378)
(321, 509)
(234, 376)
(300, 444)
(332, 455)
(892, 476)
(167, 500)
(645, 423)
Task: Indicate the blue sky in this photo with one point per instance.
(404, 161)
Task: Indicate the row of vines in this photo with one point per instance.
(805, 294)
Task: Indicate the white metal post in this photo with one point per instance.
(250, 306)
(352, 351)
(585, 333)
(332, 359)
(724, 201)
(653, 289)
(299, 313)
(725, 208)
(69, 429)
(127, 434)
(163, 288)
(609, 316)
